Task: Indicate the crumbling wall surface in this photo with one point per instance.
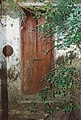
(13, 62)
(10, 35)
(2, 41)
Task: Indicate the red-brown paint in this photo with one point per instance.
(34, 62)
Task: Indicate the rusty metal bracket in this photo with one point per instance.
(7, 50)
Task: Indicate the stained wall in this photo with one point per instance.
(10, 35)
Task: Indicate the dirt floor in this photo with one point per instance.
(28, 109)
(62, 116)
(33, 109)
(33, 114)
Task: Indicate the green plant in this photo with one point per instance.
(62, 18)
(60, 82)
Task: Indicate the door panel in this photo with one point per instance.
(34, 62)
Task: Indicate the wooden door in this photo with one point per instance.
(34, 62)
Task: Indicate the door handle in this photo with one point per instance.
(36, 59)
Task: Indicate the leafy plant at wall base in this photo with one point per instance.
(62, 18)
(60, 85)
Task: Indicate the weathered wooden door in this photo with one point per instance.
(34, 62)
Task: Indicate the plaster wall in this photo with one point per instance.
(10, 35)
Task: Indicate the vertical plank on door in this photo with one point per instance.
(34, 62)
(34, 58)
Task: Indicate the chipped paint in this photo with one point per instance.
(10, 35)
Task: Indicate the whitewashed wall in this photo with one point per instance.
(67, 50)
(10, 35)
(2, 40)
(13, 39)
